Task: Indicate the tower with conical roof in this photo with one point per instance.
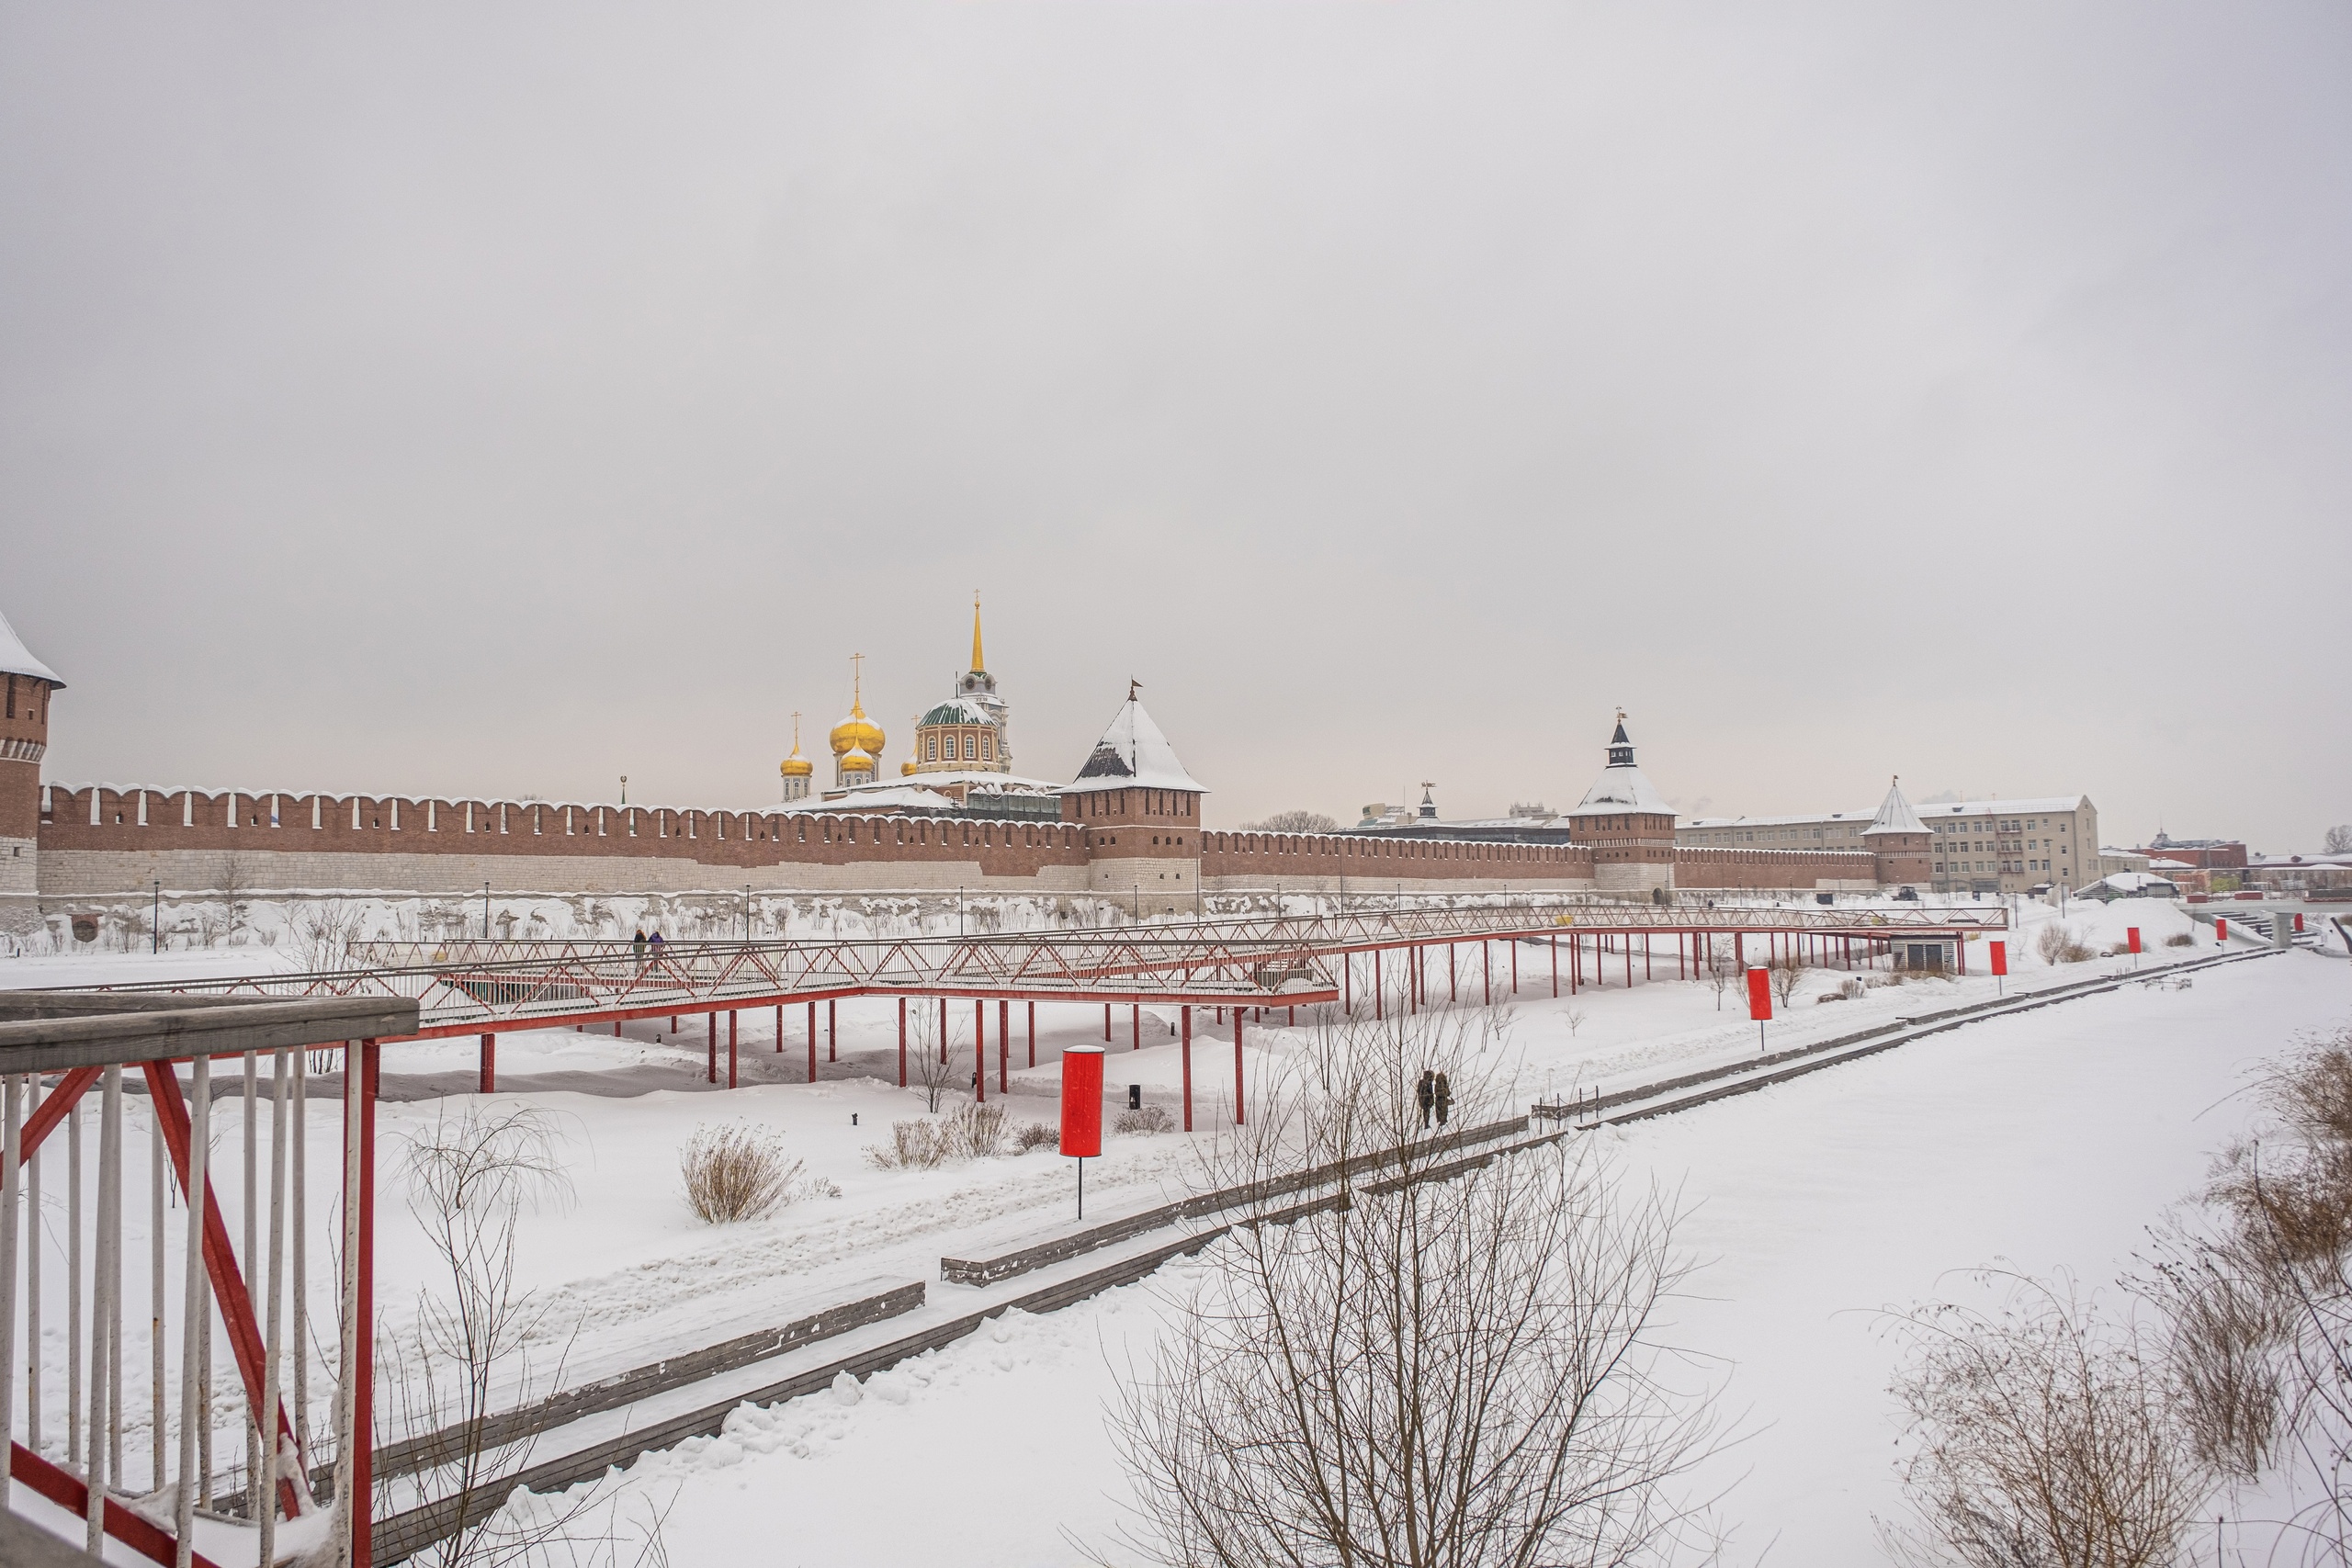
(1141, 813)
(1901, 842)
(24, 741)
(1626, 823)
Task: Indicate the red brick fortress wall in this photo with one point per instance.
(1732, 869)
(1268, 859)
(98, 840)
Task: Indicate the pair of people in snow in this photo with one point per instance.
(1436, 1096)
(641, 942)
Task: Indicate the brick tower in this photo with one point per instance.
(1141, 812)
(23, 738)
(1626, 823)
(1899, 840)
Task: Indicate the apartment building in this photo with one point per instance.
(2012, 846)
(1977, 846)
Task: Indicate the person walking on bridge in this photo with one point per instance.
(637, 946)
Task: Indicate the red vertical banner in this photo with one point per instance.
(2000, 957)
(1083, 1101)
(2221, 930)
(1760, 995)
(2132, 938)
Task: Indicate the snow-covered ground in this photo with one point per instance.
(2048, 1138)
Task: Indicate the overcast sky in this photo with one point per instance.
(500, 399)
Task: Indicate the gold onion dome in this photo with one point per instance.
(854, 760)
(859, 733)
(795, 766)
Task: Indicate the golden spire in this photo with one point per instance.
(857, 732)
(978, 661)
(857, 684)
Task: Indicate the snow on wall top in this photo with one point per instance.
(15, 659)
(1132, 754)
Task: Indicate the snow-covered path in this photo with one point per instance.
(2050, 1139)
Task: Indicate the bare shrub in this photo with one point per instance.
(2181, 938)
(1853, 988)
(933, 1065)
(1722, 968)
(1148, 1119)
(324, 934)
(976, 1131)
(2047, 1433)
(2260, 1292)
(1430, 1366)
(1294, 822)
(2058, 944)
(1574, 1018)
(472, 1174)
(736, 1172)
(1787, 974)
(919, 1144)
(1035, 1136)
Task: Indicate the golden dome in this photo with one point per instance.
(857, 732)
(855, 760)
(795, 766)
(905, 768)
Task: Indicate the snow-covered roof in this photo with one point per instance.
(2130, 881)
(1132, 754)
(15, 659)
(1895, 813)
(956, 710)
(873, 797)
(2004, 807)
(1622, 789)
(1621, 786)
(1805, 819)
(972, 778)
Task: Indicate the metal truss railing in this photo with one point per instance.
(469, 985)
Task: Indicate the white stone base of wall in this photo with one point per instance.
(20, 867)
(1632, 876)
(68, 874)
(1357, 887)
(1151, 886)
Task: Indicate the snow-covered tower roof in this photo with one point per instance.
(15, 659)
(1894, 813)
(1621, 787)
(1132, 754)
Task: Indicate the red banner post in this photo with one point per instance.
(2000, 967)
(1759, 1001)
(1082, 1110)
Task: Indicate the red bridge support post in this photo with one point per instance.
(903, 1040)
(1004, 1047)
(1033, 1034)
(1187, 1029)
(731, 1048)
(812, 1042)
(981, 1051)
(832, 1029)
(711, 1073)
(490, 1063)
(1237, 1066)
